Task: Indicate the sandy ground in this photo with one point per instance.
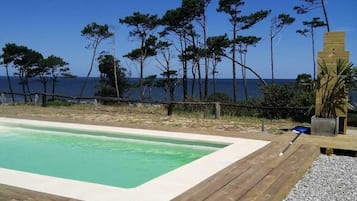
(147, 117)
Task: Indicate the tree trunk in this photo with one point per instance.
(89, 72)
(234, 64)
(244, 76)
(141, 78)
(9, 82)
(142, 60)
(272, 59)
(24, 91)
(28, 88)
(54, 80)
(325, 14)
(22, 81)
(206, 58)
(193, 84)
(247, 67)
(199, 80)
(196, 62)
(214, 65)
(115, 70)
(44, 97)
(313, 51)
(184, 69)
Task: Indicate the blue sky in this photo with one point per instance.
(53, 27)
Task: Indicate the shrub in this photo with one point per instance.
(352, 119)
(58, 102)
(219, 97)
(282, 101)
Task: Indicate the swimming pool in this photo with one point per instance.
(174, 162)
(119, 160)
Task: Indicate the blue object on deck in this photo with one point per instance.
(301, 129)
(298, 130)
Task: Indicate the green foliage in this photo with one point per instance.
(247, 108)
(107, 84)
(309, 5)
(25, 61)
(285, 19)
(216, 46)
(30, 63)
(219, 97)
(141, 23)
(277, 95)
(96, 33)
(143, 26)
(279, 22)
(52, 67)
(148, 50)
(246, 41)
(58, 102)
(334, 86)
(241, 22)
(229, 6)
(352, 119)
(311, 25)
(168, 83)
(283, 101)
(194, 8)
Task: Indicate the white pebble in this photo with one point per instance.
(329, 178)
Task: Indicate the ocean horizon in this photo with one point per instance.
(71, 87)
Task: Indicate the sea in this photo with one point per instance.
(71, 87)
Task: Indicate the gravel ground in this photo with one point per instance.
(331, 178)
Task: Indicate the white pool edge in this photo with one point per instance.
(165, 187)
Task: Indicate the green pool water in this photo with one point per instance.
(113, 159)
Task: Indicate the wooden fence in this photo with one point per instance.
(214, 109)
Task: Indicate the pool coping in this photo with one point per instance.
(164, 187)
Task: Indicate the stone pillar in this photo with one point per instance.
(333, 50)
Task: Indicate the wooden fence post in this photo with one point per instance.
(3, 98)
(217, 110)
(36, 99)
(170, 108)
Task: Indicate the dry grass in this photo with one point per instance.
(149, 117)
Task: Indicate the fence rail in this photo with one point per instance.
(215, 109)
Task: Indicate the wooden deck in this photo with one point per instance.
(263, 175)
(10, 193)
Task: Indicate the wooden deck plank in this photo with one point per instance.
(293, 169)
(240, 185)
(239, 188)
(214, 183)
(299, 160)
(12, 193)
(262, 175)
